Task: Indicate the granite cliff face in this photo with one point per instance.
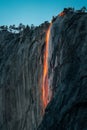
(67, 74)
(21, 68)
(21, 59)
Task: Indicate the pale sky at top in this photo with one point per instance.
(33, 11)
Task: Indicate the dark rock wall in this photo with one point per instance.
(21, 62)
(21, 58)
(67, 74)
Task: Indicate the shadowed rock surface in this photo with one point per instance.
(21, 57)
(67, 74)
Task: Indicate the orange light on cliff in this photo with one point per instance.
(45, 85)
(62, 13)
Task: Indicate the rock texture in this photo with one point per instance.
(67, 74)
(21, 59)
(21, 64)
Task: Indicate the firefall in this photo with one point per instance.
(45, 85)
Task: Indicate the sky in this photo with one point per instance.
(33, 11)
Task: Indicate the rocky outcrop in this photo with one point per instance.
(21, 59)
(67, 74)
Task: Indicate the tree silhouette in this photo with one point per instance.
(83, 9)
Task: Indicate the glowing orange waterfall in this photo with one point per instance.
(45, 85)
